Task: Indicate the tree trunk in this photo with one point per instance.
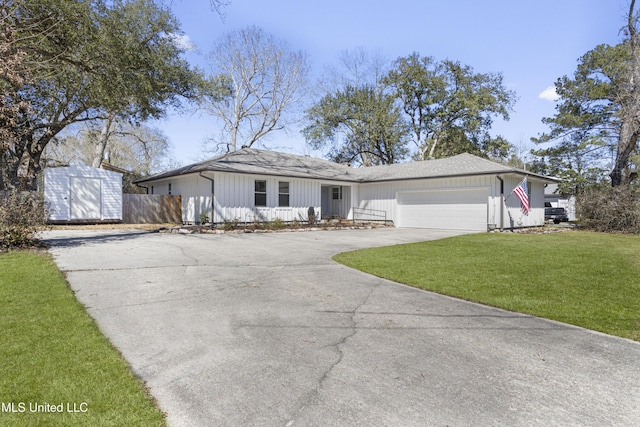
(434, 142)
(34, 167)
(621, 175)
(101, 146)
(233, 145)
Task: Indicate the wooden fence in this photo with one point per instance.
(151, 209)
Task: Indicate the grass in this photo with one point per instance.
(590, 280)
(52, 352)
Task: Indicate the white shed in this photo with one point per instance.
(82, 194)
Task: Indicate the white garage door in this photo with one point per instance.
(464, 209)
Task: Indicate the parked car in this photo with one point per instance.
(558, 215)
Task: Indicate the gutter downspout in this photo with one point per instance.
(501, 202)
(142, 186)
(212, 194)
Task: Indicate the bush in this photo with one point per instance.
(276, 224)
(610, 209)
(203, 218)
(22, 215)
(231, 225)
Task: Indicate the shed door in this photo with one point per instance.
(464, 209)
(86, 200)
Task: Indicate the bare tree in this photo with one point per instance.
(263, 80)
(218, 6)
(358, 67)
(142, 150)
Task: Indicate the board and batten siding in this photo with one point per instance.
(235, 197)
(82, 193)
(513, 215)
(384, 195)
(195, 191)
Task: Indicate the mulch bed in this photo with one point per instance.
(268, 228)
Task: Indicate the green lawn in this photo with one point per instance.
(52, 353)
(585, 279)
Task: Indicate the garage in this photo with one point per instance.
(455, 209)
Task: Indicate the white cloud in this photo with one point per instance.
(549, 94)
(183, 41)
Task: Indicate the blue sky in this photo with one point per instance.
(531, 43)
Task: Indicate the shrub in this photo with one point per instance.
(203, 218)
(22, 215)
(276, 224)
(608, 209)
(230, 225)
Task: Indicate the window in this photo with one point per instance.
(261, 193)
(283, 193)
(336, 193)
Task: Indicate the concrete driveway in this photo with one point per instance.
(266, 330)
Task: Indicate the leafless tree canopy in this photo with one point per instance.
(356, 68)
(264, 81)
(218, 6)
(142, 150)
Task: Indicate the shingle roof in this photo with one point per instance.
(461, 165)
(263, 162)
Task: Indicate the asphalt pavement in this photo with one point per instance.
(266, 330)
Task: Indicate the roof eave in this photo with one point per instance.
(358, 180)
(497, 172)
(291, 175)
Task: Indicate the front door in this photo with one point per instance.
(336, 200)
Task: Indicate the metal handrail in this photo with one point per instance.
(369, 215)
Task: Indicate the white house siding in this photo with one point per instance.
(82, 193)
(513, 215)
(235, 198)
(194, 190)
(384, 195)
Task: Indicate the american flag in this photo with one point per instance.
(521, 192)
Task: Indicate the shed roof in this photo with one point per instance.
(264, 162)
